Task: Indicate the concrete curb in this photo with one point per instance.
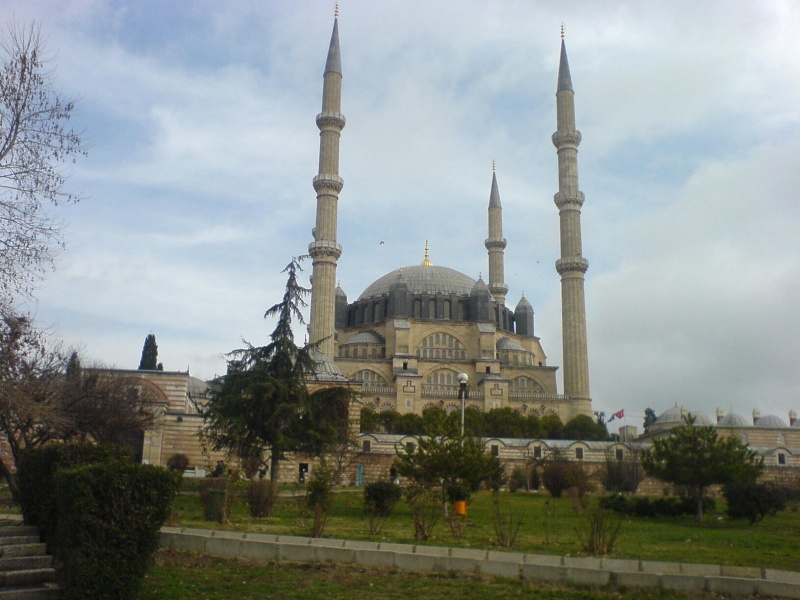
(590, 571)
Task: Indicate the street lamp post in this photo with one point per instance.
(463, 379)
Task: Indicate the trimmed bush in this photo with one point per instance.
(381, 497)
(109, 520)
(261, 497)
(754, 501)
(178, 462)
(559, 476)
(37, 468)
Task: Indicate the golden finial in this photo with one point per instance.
(562, 30)
(427, 261)
(336, 12)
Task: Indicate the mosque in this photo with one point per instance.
(417, 334)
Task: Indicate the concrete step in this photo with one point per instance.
(28, 577)
(16, 530)
(10, 551)
(21, 563)
(37, 592)
(13, 540)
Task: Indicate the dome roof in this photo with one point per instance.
(365, 337)
(523, 304)
(422, 279)
(324, 367)
(675, 414)
(733, 420)
(770, 421)
(507, 344)
(197, 387)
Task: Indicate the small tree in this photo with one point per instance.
(149, 360)
(696, 457)
(445, 462)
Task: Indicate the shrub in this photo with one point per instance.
(599, 530)
(36, 470)
(261, 497)
(380, 499)
(178, 462)
(426, 509)
(318, 500)
(109, 520)
(639, 506)
(518, 479)
(559, 476)
(754, 501)
(506, 522)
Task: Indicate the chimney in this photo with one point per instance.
(756, 415)
(720, 414)
(792, 417)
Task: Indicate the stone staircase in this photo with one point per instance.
(26, 572)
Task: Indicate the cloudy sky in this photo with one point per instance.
(199, 118)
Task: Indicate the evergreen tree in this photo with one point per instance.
(696, 457)
(149, 361)
(263, 401)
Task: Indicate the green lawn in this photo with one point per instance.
(184, 575)
(549, 526)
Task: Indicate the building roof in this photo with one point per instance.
(733, 420)
(770, 421)
(422, 279)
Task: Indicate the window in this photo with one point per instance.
(537, 452)
(410, 446)
(781, 458)
(579, 453)
(495, 450)
(366, 446)
(620, 454)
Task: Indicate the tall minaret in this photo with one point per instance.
(496, 244)
(325, 250)
(572, 265)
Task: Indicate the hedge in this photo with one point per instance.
(35, 472)
(640, 506)
(109, 520)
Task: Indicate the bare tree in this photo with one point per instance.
(46, 396)
(35, 144)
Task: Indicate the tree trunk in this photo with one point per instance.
(274, 467)
(5, 471)
(699, 515)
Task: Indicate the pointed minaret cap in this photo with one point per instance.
(494, 195)
(564, 77)
(334, 62)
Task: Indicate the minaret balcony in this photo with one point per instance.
(567, 139)
(576, 263)
(569, 201)
(324, 248)
(495, 243)
(328, 119)
(328, 181)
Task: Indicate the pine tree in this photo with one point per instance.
(263, 400)
(149, 361)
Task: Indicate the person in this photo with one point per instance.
(219, 470)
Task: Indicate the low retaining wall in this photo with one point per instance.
(745, 581)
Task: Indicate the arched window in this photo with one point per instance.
(443, 346)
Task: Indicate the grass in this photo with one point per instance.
(184, 575)
(549, 526)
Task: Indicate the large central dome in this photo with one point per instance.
(422, 279)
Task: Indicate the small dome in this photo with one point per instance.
(770, 421)
(422, 279)
(670, 416)
(197, 387)
(324, 366)
(340, 292)
(365, 337)
(675, 416)
(507, 344)
(733, 420)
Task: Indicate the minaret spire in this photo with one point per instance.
(496, 244)
(325, 250)
(572, 265)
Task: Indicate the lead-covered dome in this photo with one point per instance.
(422, 279)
